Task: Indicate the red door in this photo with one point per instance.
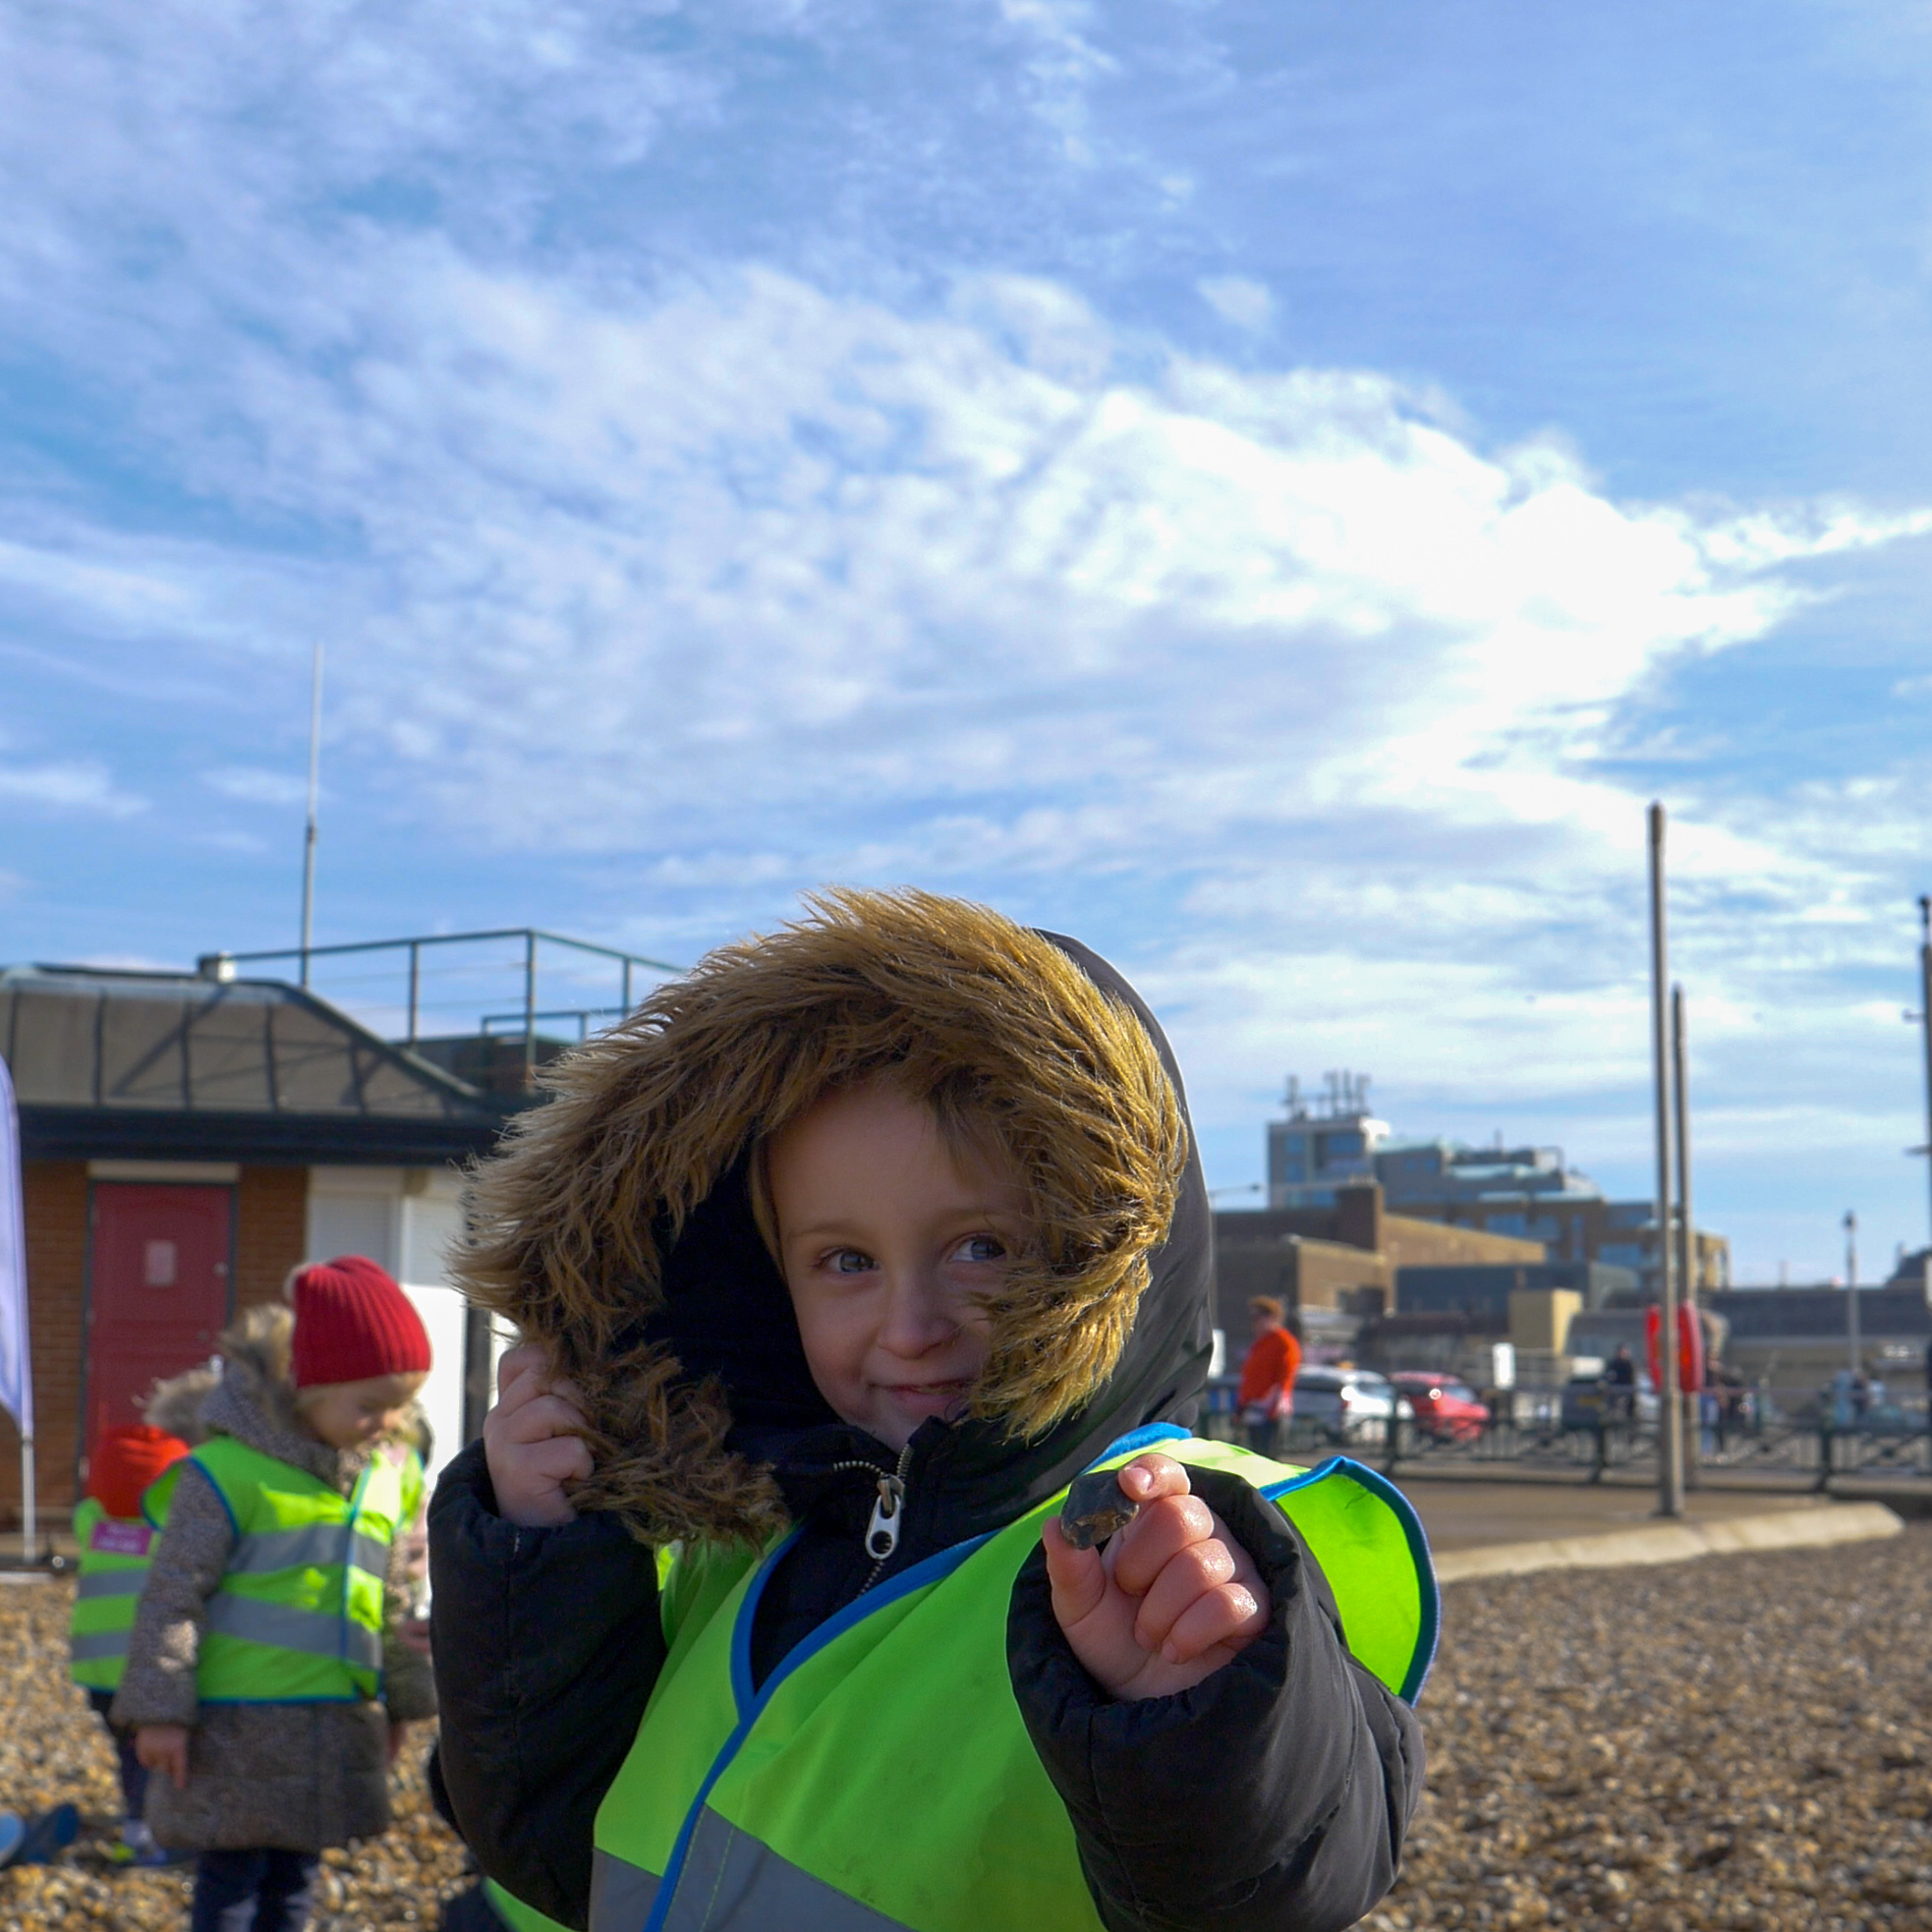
(158, 1293)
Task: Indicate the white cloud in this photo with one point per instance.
(69, 785)
(1235, 299)
(255, 786)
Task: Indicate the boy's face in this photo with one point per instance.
(349, 1415)
(887, 1238)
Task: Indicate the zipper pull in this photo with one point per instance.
(882, 1531)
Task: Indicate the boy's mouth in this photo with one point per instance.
(933, 1396)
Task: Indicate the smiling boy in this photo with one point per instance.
(839, 1262)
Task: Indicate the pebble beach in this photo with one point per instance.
(1740, 1742)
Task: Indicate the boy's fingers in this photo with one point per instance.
(524, 1376)
(515, 1364)
(1188, 1576)
(542, 1417)
(1078, 1579)
(1156, 1536)
(1227, 1615)
(560, 1459)
(1147, 1478)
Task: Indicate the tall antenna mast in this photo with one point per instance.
(309, 829)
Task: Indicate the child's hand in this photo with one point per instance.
(164, 1748)
(529, 1441)
(1169, 1599)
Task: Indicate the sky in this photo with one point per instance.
(1273, 489)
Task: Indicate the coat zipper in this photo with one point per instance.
(887, 1512)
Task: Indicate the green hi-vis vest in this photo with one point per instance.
(114, 1555)
(517, 1915)
(882, 1778)
(298, 1618)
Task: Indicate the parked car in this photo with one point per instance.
(1350, 1404)
(1443, 1404)
(1588, 1401)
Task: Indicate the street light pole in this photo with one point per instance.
(1670, 1410)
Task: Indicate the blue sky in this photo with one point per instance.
(1270, 488)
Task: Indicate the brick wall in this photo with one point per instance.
(56, 1202)
(271, 1210)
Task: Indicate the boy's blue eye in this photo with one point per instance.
(981, 1247)
(849, 1261)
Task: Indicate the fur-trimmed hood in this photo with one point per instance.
(176, 1404)
(615, 1224)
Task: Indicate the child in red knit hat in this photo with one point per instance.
(115, 1541)
(266, 1679)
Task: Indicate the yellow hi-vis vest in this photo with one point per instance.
(882, 1778)
(298, 1618)
(114, 1557)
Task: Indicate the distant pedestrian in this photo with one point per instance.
(1621, 1384)
(266, 1677)
(1267, 1393)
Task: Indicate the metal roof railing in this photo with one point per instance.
(222, 965)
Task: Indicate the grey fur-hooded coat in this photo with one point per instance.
(291, 1777)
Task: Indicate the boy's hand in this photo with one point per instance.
(164, 1748)
(530, 1444)
(1169, 1599)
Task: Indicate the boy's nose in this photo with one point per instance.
(918, 1318)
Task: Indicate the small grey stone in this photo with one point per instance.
(1095, 1507)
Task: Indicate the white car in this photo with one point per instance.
(1351, 1405)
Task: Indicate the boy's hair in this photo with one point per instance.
(1266, 1304)
(994, 1026)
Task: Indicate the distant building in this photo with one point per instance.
(1527, 1193)
(188, 1138)
(1339, 1266)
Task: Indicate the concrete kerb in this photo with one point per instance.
(1675, 1542)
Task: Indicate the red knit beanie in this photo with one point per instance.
(126, 1459)
(352, 1322)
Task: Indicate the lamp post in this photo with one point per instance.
(1670, 1410)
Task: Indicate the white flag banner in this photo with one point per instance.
(16, 1359)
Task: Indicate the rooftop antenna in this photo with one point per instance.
(309, 828)
(1294, 1094)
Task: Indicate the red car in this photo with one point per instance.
(1442, 1405)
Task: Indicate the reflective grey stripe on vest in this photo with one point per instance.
(111, 1582)
(316, 1546)
(621, 1893)
(731, 1883)
(311, 1631)
(91, 1644)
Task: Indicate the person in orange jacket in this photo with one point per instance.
(1267, 1395)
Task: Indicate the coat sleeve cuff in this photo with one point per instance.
(1225, 1803)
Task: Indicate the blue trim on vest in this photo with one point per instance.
(751, 1704)
(1144, 1438)
(1379, 1486)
